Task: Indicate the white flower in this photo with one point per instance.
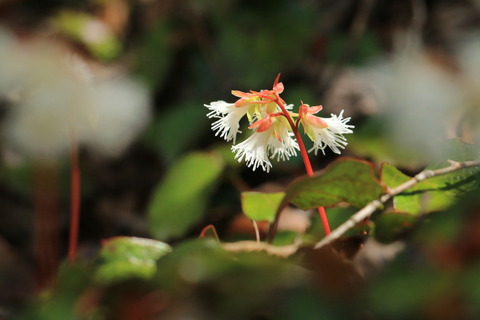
(56, 100)
(227, 126)
(122, 109)
(264, 144)
(330, 135)
(53, 103)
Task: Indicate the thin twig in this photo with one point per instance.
(257, 232)
(370, 208)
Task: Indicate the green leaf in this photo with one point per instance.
(179, 200)
(430, 195)
(389, 226)
(129, 257)
(261, 206)
(345, 180)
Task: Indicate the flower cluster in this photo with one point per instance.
(275, 126)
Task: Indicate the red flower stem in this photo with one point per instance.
(75, 202)
(306, 159)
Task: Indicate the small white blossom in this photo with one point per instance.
(261, 146)
(330, 136)
(227, 126)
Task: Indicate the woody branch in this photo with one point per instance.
(370, 208)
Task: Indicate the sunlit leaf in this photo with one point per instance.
(433, 194)
(129, 257)
(179, 200)
(284, 238)
(346, 180)
(261, 206)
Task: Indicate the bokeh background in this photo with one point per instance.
(130, 79)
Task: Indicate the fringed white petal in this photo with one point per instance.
(331, 136)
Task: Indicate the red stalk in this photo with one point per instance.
(304, 153)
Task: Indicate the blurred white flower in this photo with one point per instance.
(468, 57)
(57, 99)
(418, 98)
(121, 112)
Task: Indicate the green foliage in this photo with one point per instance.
(409, 295)
(179, 201)
(437, 275)
(78, 26)
(201, 269)
(346, 180)
(391, 226)
(128, 257)
(17, 176)
(186, 51)
(436, 193)
(424, 279)
(60, 302)
(427, 196)
(260, 206)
